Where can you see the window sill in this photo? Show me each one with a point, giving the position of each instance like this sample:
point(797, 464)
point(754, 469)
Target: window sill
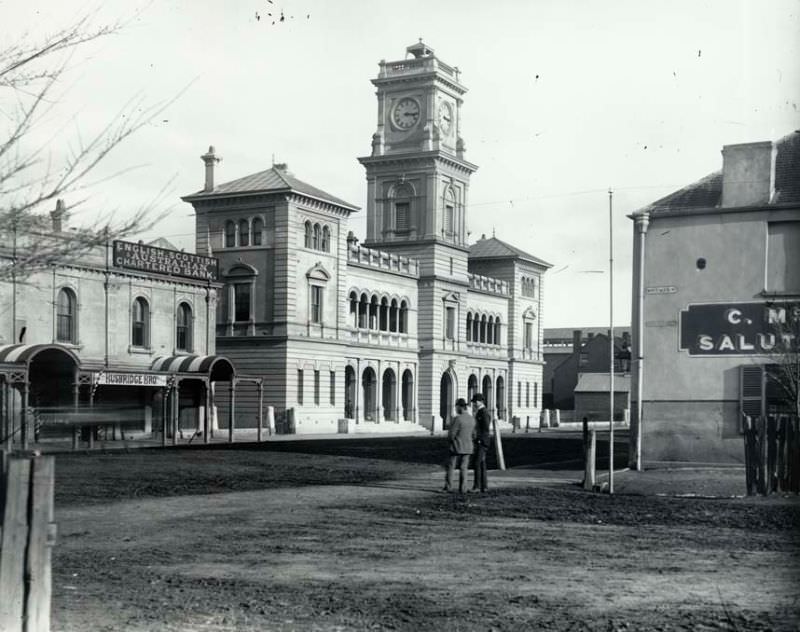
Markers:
point(74, 346)
point(140, 350)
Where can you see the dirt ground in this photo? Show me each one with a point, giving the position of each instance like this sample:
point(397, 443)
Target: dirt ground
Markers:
point(311, 540)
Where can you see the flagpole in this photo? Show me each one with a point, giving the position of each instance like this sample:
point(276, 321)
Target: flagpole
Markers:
point(610, 343)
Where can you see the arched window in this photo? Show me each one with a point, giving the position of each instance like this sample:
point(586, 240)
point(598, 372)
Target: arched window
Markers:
point(402, 196)
point(490, 330)
point(373, 312)
point(309, 232)
point(393, 315)
point(363, 313)
point(244, 232)
point(316, 238)
point(258, 231)
point(140, 328)
point(183, 328)
point(469, 326)
point(230, 234)
point(403, 324)
point(383, 324)
point(449, 220)
point(325, 246)
point(497, 331)
point(354, 308)
point(65, 316)
point(483, 329)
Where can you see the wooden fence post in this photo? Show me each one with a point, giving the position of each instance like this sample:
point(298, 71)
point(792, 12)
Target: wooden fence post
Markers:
point(14, 541)
point(40, 540)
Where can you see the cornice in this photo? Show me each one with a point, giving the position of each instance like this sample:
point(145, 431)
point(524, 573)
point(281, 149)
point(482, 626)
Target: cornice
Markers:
point(422, 157)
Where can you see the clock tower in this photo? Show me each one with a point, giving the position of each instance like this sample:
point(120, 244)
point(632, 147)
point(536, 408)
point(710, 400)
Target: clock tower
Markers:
point(417, 177)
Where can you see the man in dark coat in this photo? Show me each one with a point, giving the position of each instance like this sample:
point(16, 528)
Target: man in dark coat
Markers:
point(460, 442)
point(483, 440)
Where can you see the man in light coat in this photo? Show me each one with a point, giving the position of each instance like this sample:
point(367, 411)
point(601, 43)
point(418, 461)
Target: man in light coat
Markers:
point(460, 441)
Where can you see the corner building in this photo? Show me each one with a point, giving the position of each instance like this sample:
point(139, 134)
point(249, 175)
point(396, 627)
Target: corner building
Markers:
point(389, 333)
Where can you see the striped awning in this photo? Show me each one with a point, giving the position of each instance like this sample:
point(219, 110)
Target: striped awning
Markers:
point(189, 364)
point(23, 354)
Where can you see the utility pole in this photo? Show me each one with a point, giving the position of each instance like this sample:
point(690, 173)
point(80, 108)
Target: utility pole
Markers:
point(610, 342)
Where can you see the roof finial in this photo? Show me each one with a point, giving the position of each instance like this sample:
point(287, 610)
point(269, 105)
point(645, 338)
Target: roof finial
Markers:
point(492, 232)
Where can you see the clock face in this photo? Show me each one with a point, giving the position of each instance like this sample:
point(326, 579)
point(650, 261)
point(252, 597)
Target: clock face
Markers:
point(406, 113)
point(445, 117)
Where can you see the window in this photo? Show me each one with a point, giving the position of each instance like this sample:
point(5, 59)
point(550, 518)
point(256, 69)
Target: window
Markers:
point(241, 302)
point(528, 339)
point(65, 316)
point(300, 386)
point(527, 394)
point(258, 231)
point(403, 322)
point(325, 246)
point(183, 328)
point(140, 323)
point(469, 326)
point(401, 213)
point(535, 394)
point(244, 232)
point(333, 388)
point(230, 234)
point(317, 236)
point(448, 220)
point(529, 287)
point(450, 323)
point(519, 394)
point(308, 235)
point(783, 257)
point(316, 388)
point(316, 304)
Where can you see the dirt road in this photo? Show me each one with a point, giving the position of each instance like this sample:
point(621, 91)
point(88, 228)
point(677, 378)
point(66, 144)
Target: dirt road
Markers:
point(375, 552)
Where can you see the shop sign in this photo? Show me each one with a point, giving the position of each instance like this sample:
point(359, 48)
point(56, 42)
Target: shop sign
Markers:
point(111, 378)
point(721, 329)
point(661, 289)
point(162, 261)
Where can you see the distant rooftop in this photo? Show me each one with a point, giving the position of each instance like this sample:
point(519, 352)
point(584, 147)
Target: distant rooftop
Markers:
point(599, 383)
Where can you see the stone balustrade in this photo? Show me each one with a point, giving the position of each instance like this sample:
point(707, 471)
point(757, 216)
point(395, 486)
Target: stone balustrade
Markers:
point(488, 284)
point(382, 260)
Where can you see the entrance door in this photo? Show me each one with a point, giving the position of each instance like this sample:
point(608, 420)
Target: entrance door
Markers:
point(446, 399)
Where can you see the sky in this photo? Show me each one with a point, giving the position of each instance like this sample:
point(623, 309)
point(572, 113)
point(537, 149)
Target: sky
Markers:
point(567, 99)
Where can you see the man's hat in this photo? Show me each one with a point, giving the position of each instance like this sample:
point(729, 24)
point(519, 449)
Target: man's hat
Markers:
point(461, 402)
point(478, 397)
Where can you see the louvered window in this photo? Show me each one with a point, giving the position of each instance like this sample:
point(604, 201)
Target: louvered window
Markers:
point(751, 390)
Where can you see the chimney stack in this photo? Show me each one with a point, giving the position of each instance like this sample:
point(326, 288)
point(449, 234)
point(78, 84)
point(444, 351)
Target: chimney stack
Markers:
point(748, 174)
point(576, 340)
point(210, 159)
point(57, 216)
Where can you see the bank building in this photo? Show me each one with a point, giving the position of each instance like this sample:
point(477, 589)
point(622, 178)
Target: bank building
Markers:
point(282, 306)
point(382, 334)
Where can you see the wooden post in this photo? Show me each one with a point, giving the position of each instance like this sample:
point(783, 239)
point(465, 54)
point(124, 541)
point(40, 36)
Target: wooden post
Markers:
point(527, 423)
point(76, 394)
point(12, 545)
point(92, 427)
point(589, 475)
point(781, 448)
point(498, 446)
point(176, 411)
point(271, 420)
point(24, 414)
point(772, 455)
point(207, 413)
point(291, 421)
point(231, 411)
point(164, 420)
point(41, 538)
point(260, 408)
point(433, 425)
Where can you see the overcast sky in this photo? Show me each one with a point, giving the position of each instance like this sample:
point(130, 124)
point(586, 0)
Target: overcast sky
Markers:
point(566, 99)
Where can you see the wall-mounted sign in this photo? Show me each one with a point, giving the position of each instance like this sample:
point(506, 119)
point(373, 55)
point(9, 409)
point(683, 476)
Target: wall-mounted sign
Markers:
point(661, 289)
point(111, 378)
point(162, 261)
point(738, 328)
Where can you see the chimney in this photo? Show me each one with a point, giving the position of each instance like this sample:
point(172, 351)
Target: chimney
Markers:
point(210, 159)
point(748, 174)
point(576, 340)
point(57, 216)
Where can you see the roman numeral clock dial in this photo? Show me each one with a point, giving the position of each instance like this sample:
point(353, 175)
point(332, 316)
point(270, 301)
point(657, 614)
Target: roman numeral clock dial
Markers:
point(406, 113)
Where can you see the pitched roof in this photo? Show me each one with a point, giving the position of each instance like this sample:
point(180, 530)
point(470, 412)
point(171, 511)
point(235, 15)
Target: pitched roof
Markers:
point(494, 248)
point(273, 180)
point(599, 382)
point(707, 192)
point(565, 333)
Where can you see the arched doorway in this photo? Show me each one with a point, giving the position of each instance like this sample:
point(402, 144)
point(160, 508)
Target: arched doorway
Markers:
point(51, 376)
point(369, 385)
point(501, 398)
point(446, 399)
point(408, 395)
point(349, 392)
point(487, 391)
point(389, 394)
point(472, 387)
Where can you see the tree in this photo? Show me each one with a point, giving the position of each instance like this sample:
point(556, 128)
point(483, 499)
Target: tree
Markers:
point(33, 176)
point(783, 373)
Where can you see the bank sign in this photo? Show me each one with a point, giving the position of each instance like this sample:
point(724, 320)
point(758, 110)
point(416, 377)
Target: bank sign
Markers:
point(720, 329)
point(162, 261)
point(110, 378)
